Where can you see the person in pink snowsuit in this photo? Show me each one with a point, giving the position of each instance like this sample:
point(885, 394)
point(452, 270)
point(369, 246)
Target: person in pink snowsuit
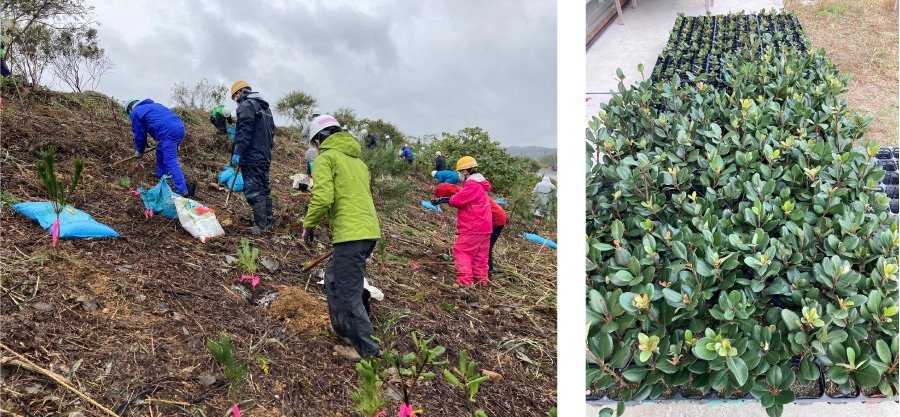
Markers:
point(473, 224)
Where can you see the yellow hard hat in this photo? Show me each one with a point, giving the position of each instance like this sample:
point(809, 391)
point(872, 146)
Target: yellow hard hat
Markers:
point(466, 162)
point(238, 85)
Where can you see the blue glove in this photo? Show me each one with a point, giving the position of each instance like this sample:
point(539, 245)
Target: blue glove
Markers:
point(235, 159)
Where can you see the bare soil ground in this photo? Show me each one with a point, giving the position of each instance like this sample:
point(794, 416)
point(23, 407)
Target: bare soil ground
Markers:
point(861, 37)
point(126, 320)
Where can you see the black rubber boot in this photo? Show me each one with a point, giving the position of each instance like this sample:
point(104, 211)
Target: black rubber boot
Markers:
point(260, 220)
point(269, 215)
point(192, 190)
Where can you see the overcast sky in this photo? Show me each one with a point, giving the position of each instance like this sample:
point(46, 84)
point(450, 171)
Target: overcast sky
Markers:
point(426, 66)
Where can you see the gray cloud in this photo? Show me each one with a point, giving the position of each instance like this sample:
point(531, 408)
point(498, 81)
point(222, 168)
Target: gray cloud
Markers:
point(428, 67)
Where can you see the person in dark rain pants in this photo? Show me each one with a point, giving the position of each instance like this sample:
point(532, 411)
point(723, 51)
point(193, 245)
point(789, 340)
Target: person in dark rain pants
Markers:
point(254, 136)
point(342, 194)
point(166, 128)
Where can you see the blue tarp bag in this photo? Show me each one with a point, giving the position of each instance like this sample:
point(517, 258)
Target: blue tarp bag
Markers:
point(159, 198)
point(73, 223)
point(230, 131)
point(501, 201)
point(432, 207)
point(225, 178)
point(539, 240)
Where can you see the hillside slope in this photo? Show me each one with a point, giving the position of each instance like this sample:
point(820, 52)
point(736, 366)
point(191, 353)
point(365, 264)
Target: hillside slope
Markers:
point(126, 320)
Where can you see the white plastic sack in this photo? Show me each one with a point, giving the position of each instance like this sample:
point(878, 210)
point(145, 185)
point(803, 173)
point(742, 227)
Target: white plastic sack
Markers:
point(301, 179)
point(199, 220)
point(374, 292)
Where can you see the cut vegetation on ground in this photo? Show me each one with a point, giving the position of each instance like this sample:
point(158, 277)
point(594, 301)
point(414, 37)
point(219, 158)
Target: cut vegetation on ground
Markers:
point(133, 322)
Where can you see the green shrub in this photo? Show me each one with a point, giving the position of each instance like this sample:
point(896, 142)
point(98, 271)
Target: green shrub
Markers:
point(732, 231)
point(506, 173)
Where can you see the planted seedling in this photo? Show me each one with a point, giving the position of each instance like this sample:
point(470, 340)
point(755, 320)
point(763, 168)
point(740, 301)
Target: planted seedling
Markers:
point(56, 190)
point(413, 367)
point(367, 398)
point(223, 351)
point(466, 377)
point(247, 257)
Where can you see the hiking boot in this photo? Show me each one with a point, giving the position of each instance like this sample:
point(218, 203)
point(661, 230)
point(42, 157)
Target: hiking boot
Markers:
point(342, 339)
point(269, 214)
point(347, 352)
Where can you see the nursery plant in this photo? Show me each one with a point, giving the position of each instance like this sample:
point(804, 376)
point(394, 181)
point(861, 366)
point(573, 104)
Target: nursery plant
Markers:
point(406, 370)
point(699, 45)
point(57, 191)
point(736, 239)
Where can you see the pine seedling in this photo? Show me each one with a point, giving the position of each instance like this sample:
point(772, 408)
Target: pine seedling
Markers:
point(367, 398)
point(247, 256)
point(57, 192)
point(223, 351)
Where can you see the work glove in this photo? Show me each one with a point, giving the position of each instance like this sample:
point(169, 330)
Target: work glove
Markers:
point(308, 234)
point(443, 200)
point(138, 154)
point(235, 160)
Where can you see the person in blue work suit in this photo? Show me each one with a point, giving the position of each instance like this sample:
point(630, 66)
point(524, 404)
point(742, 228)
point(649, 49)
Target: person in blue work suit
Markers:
point(162, 124)
point(445, 177)
point(254, 135)
point(407, 154)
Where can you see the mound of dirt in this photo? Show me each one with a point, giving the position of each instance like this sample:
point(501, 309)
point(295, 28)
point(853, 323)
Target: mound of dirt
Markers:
point(300, 310)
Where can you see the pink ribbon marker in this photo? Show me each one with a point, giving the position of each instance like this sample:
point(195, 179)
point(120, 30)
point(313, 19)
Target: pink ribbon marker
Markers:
point(254, 279)
point(54, 232)
point(235, 411)
point(381, 413)
point(414, 265)
point(406, 411)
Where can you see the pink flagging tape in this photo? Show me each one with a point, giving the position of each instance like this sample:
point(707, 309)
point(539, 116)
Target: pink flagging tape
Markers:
point(54, 231)
point(406, 411)
point(235, 411)
point(414, 265)
point(381, 413)
point(254, 279)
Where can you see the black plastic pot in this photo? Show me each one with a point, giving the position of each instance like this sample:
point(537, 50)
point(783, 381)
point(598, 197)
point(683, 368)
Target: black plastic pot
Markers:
point(884, 153)
point(895, 206)
point(891, 191)
point(890, 178)
point(889, 165)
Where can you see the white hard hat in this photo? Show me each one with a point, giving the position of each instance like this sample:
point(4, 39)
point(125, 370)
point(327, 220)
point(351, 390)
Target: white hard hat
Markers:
point(433, 173)
point(387, 136)
point(438, 153)
point(315, 111)
point(321, 122)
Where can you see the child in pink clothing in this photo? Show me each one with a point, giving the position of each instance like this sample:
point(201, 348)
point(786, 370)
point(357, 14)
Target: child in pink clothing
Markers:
point(473, 226)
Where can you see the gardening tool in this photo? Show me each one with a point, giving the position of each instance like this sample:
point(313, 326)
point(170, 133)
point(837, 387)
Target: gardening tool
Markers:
point(231, 188)
point(131, 157)
point(318, 261)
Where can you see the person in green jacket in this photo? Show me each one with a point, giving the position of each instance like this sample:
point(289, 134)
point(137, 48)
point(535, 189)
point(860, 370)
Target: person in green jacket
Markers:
point(342, 194)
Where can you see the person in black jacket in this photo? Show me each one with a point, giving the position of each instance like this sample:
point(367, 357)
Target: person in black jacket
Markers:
point(440, 163)
point(253, 140)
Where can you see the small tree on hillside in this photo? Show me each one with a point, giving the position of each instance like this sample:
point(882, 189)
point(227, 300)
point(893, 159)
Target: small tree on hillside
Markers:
point(379, 128)
point(78, 60)
point(34, 24)
point(204, 95)
point(297, 105)
point(506, 173)
point(347, 118)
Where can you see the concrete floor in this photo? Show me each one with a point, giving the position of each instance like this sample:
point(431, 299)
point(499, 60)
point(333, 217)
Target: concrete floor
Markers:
point(642, 38)
point(876, 409)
